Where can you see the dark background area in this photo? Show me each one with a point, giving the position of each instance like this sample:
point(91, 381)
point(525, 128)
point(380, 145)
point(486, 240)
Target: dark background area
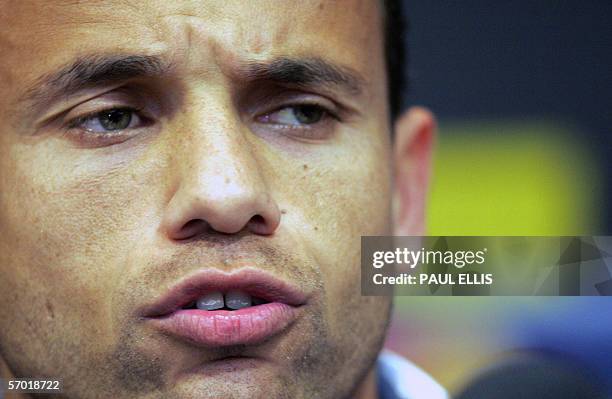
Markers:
point(517, 60)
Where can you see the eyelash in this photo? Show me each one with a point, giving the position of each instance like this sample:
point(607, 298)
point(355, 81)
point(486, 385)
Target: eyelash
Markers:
point(75, 129)
point(315, 130)
point(76, 122)
point(326, 113)
point(320, 129)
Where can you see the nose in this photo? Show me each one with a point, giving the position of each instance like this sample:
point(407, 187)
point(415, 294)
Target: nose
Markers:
point(219, 188)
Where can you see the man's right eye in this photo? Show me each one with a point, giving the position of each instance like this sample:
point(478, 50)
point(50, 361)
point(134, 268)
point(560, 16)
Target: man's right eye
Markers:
point(111, 121)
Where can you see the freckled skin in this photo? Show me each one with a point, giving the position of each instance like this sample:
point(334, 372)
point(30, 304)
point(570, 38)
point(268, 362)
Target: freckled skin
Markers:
point(87, 235)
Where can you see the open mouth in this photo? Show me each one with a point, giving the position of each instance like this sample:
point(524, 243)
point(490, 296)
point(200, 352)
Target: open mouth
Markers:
point(230, 300)
point(213, 308)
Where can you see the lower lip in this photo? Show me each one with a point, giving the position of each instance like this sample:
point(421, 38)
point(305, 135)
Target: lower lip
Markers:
point(229, 327)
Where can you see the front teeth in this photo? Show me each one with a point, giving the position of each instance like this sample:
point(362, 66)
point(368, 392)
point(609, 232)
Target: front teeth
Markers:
point(236, 299)
point(210, 301)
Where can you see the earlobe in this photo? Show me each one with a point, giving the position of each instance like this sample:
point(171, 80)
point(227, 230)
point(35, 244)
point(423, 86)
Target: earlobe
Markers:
point(413, 145)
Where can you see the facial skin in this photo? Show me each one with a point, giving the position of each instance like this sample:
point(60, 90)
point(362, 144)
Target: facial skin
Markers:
point(223, 165)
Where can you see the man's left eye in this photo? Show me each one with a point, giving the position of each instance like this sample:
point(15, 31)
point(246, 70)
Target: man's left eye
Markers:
point(297, 115)
point(108, 121)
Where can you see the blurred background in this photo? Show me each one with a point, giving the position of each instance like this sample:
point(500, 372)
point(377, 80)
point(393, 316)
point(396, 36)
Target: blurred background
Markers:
point(523, 95)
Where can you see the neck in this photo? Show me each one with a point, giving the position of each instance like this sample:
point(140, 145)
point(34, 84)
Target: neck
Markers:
point(367, 388)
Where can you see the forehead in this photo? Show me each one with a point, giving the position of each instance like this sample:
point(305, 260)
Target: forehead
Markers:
point(36, 36)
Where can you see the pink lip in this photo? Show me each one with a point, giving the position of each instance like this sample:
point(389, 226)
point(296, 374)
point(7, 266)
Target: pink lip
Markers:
point(223, 327)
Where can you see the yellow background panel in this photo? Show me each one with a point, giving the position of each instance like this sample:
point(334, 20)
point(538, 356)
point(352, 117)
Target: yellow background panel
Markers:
point(513, 178)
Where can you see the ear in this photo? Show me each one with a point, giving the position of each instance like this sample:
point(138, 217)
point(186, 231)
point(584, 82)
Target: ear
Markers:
point(413, 144)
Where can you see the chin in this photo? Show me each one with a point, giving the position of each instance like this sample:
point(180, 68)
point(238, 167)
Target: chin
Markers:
point(234, 378)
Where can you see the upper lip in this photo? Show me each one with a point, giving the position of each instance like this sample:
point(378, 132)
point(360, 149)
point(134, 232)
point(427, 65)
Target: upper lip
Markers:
point(254, 282)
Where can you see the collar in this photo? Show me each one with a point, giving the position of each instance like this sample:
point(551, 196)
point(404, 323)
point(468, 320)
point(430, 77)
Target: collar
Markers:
point(400, 379)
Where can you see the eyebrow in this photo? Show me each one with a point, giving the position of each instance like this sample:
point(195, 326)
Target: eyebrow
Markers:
point(92, 71)
point(306, 72)
point(97, 70)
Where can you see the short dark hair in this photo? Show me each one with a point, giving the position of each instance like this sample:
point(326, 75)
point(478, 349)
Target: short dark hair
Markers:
point(395, 28)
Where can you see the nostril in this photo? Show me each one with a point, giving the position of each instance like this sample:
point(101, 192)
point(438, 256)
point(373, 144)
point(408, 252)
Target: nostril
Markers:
point(192, 228)
point(189, 215)
point(258, 220)
point(258, 225)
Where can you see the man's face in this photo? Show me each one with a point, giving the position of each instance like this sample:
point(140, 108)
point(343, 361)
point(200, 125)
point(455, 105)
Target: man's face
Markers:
point(145, 144)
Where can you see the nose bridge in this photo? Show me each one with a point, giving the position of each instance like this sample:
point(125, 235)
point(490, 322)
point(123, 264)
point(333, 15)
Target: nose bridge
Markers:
point(219, 157)
point(220, 184)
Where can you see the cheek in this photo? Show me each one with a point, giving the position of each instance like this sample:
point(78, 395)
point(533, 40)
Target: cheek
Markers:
point(62, 236)
point(335, 203)
point(77, 206)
